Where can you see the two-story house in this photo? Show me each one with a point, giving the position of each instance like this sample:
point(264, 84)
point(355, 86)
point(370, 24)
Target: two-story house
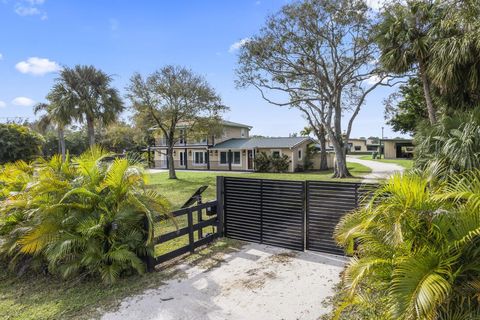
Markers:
point(233, 150)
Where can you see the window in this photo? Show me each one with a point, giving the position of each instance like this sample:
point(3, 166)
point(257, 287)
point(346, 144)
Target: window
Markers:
point(223, 157)
point(182, 158)
point(242, 133)
point(300, 154)
point(358, 148)
point(236, 157)
point(199, 157)
point(181, 140)
point(276, 153)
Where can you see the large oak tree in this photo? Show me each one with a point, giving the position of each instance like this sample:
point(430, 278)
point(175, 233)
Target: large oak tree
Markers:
point(174, 96)
point(317, 56)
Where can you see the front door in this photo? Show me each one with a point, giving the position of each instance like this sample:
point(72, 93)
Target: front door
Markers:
point(250, 159)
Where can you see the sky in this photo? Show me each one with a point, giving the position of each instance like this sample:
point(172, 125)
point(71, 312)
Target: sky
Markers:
point(38, 37)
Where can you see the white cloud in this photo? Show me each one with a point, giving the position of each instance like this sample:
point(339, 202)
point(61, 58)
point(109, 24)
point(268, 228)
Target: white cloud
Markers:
point(37, 66)
point(27, 11)
point(237, 45)
point(2, 104)
point(1, 56)
point(23, 102)
point(373, 79)
point(30, 8)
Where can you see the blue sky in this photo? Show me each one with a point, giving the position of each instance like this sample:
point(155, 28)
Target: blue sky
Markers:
point(122, 37)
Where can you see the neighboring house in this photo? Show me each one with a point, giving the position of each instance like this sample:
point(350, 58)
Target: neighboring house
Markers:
point(233, 150)
point(397, 148)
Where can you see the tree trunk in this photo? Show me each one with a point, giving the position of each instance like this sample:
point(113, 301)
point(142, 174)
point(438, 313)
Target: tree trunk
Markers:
point(61, 142)
point(323, 148)
point(428, 97)
point(171, 165)
point(340, 168)
point(91, 131)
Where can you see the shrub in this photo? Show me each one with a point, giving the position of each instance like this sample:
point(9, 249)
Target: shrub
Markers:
point(84, 216)
point(418, 243)
point(280, 164)
point(262, 162)
point(19, 142)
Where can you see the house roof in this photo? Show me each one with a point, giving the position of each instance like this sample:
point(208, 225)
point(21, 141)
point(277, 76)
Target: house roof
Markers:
point(235, 124)
point(272, 143)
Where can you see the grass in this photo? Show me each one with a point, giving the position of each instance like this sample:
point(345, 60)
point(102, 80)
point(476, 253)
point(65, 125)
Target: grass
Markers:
point(44, 297)
point(178, 191)
point(406, 163)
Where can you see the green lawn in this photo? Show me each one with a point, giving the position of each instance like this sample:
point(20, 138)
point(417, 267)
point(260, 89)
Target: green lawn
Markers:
point(178, 191)
point(406, 163)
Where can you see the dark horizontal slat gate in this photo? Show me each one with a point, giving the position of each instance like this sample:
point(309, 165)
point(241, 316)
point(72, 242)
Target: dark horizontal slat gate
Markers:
point(265, 211)
point(327, 202)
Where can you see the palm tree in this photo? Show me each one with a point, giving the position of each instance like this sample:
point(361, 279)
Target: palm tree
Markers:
point(88, 91)
point(83, 216)
point(59, 116)
point(417, 244)
point(405, 42)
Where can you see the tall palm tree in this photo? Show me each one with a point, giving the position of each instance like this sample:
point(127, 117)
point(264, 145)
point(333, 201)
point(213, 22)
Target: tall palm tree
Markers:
point(88, 91)
point(59, 116)
point(405, 42)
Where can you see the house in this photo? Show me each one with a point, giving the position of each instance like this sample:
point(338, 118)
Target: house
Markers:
point(233, 150)
point(397, 148)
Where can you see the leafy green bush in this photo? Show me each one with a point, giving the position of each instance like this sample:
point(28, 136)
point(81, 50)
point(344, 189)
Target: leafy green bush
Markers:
point(84, 216)
point(18, 143)
point(452, 145)
point(262, 162)
point(280, 164)
point(418, 244)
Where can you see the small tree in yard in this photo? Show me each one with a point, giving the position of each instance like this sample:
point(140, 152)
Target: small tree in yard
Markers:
point(317, 54)
point(173, 96)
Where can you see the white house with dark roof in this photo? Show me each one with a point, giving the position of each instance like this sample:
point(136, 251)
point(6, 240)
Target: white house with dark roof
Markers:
point(232, 150)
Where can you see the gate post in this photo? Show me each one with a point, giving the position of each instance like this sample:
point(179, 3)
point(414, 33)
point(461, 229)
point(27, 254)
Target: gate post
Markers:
point(220, 211)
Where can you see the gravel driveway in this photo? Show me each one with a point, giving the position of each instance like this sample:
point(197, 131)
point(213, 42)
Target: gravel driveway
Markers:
point(254, 282)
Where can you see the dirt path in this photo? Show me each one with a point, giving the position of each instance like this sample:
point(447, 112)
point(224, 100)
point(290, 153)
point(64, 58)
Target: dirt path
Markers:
point(380, 170)
point(255, 282)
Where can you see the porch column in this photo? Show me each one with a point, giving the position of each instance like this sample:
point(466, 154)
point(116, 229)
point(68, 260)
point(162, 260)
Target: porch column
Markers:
point(185, 154)
point(208, 159)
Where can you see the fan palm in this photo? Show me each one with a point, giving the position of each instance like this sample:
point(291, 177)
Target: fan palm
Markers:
point(405, 42)
point(82, 216)
point(418, 244)
point(58, 115)
point(88, 91)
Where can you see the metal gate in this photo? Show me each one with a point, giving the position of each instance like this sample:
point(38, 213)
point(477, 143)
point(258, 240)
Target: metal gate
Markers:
point(327, 202)
point(297, 215)
point(265, 211)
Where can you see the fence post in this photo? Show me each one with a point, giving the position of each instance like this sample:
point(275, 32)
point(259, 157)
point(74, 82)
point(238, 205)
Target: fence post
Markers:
point(149, 260)
point(191, 239)
point(199, 217)
point(220, 210)
point(261, 211)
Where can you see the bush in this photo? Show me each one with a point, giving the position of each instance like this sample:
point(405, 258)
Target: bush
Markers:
point(84, 216)
point(19, 143)
point(418, 242)
point(280, 164)
point(262, 162)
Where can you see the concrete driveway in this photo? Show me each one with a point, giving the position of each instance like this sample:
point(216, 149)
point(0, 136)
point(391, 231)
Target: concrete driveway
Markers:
point(380, 170)
point(254, 282)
